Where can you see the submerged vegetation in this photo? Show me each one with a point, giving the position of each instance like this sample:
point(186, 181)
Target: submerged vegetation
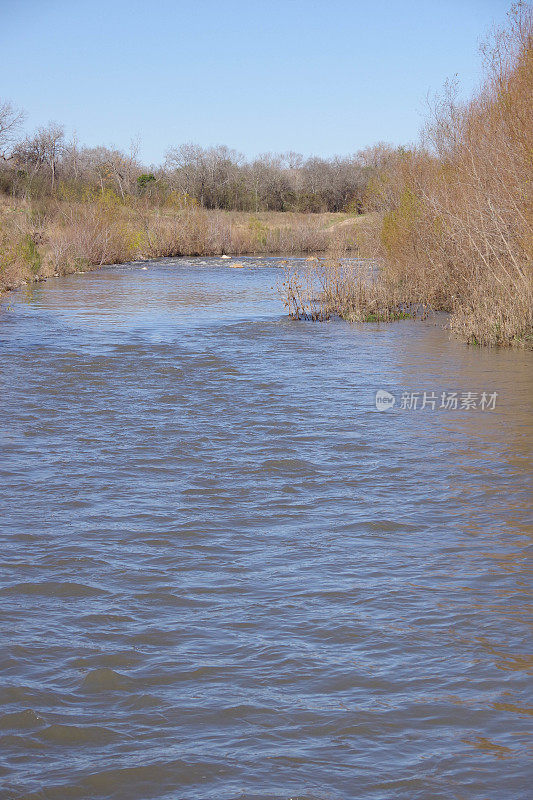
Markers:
point(447, 223)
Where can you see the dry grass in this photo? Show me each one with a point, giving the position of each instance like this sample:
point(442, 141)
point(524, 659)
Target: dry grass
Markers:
point(353, 289)
point(57, 237)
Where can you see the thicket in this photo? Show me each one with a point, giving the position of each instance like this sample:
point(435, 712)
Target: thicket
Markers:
point(454, 230)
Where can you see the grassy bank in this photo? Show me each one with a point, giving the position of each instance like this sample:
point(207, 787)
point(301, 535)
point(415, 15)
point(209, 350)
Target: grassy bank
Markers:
point(57, 237)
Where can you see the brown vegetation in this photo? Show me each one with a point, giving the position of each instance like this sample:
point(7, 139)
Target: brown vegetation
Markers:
point(455, 227)
point(355, 289)
point(40, 239)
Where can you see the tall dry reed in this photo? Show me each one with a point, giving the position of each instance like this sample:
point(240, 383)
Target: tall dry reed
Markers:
point(455, 223)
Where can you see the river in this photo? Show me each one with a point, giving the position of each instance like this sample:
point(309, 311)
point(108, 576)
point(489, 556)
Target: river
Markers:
point(226, 574)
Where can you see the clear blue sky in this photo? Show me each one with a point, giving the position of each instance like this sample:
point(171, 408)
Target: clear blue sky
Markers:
point(315, 77)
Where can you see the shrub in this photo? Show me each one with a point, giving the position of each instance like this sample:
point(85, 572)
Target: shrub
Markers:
point(455, 218)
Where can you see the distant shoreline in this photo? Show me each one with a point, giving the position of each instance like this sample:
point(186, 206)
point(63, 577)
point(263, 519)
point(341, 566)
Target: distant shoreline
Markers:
point(80, 237)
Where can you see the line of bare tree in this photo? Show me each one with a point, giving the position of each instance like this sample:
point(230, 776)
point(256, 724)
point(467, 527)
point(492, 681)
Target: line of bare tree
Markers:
point(45, 163)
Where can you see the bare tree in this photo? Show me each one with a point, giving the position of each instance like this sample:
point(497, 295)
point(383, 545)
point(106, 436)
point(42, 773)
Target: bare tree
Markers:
point(11, 119)
point(42, 151)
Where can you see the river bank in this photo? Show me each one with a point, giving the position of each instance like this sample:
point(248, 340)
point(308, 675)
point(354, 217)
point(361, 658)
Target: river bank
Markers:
point(39, 240)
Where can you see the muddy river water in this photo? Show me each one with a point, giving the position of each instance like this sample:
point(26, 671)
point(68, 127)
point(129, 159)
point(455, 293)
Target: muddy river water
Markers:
point(225, 574)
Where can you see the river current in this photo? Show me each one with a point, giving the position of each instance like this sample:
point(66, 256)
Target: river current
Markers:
point(226, 575)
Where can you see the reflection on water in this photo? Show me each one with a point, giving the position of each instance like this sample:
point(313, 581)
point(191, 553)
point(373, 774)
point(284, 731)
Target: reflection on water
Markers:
point(225, 574)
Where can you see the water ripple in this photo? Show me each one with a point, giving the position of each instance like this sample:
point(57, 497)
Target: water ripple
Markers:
point(226, 575)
